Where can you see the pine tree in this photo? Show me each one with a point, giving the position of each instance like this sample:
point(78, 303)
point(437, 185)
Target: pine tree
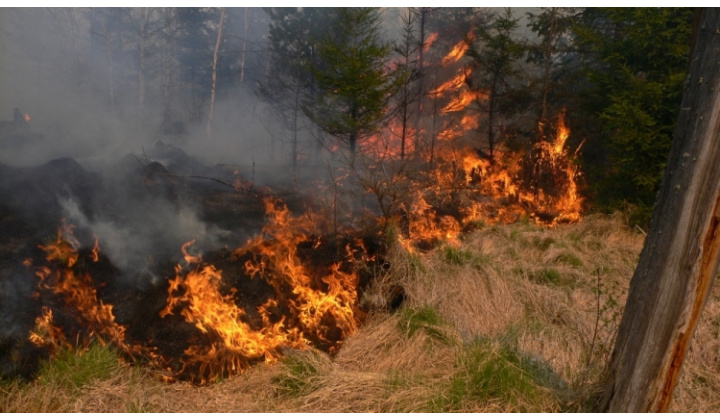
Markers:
point(494, 68)
point(636, 61)
point(353, 84)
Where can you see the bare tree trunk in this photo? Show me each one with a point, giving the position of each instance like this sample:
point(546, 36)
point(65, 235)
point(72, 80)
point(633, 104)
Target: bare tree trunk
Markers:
point(547, 50)
point(168, 66)
point(680, 258)
point(244, 47)
point(423, 12)
point(296, 109)
point(208, 128)
point(142, 67)
point(111, 81)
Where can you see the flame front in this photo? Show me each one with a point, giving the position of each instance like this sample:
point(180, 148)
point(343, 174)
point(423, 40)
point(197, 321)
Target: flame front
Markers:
point(78, 291)
point(309, 307)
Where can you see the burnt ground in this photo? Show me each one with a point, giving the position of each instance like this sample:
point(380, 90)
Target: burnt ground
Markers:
point(144, 208)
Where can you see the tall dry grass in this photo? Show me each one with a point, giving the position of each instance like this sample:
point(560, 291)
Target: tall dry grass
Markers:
point(517, 318)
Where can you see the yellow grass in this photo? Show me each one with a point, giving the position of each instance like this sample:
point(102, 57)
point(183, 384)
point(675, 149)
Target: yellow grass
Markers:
point(521, 298)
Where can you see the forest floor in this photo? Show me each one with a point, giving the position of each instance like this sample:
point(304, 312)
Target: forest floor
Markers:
point(516, 318)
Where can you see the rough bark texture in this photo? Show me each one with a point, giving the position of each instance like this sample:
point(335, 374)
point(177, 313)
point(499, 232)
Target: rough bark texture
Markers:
point(680, 258)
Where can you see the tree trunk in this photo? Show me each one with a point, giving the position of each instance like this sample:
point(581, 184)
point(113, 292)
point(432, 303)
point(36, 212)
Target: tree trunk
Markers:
point(244, 47)
point(296, 109)
point(548, 45)
point(680, 258)
point(143, 33)
point(423, 13)
point(111, 64)
point(208, 128)
point(168, 66)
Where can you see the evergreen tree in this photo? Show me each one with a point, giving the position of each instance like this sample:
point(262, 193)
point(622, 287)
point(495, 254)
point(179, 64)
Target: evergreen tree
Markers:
point(495, 57)
point(548, 52)
point(407, 48)
point(353, 84)
point(635, 60)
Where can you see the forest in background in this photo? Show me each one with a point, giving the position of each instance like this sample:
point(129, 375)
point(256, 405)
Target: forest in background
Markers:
point(278, 85)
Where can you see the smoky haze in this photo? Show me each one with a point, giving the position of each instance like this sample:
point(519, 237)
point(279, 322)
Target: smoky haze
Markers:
point(77, 73)
point(101, 136)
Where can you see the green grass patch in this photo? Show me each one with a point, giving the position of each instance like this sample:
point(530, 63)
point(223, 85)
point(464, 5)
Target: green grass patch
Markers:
point(72, 368)
point(426, 319)
point(462, 257)
point(487, 375)
point(300, 374)
point(569, 259)
point(549, 276)
point(415, 264)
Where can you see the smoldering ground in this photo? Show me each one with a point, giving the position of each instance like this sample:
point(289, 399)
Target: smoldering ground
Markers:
point(109, 168)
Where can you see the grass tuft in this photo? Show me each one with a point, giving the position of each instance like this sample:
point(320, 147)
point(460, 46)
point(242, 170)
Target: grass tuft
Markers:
point(72, 369)
point(486, 375)
point(299, 375)
point(425, 318)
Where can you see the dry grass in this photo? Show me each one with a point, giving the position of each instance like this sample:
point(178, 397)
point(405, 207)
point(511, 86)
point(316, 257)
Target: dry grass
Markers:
point(510, 321)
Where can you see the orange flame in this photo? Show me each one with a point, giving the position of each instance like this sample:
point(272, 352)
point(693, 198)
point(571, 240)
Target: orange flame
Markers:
point(77, 290)
point(429, 41)
point(458, 50)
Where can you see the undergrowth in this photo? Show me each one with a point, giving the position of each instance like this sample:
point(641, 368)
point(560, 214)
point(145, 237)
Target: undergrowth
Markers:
point(516, 319)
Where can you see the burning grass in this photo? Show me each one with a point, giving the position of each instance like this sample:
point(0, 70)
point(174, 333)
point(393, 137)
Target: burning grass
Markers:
point(512, 318)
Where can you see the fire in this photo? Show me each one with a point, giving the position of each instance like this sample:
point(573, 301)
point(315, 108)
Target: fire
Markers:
point(311, 306)
point(456, 186)
point(453, 84)
point(320, 310)
point(95, 253)
point(430, 41)
point(45, 333)
point(77, 290)
point(26, 117)
point(459, 49)
point(465, 98)
point(202, 304)
point(312, 302)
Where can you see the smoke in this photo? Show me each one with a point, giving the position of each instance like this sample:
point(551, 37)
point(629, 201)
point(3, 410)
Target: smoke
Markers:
point(78, 77)
point(77, 73)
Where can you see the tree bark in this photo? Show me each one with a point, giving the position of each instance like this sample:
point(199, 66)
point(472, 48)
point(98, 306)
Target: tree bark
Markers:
point(680, 258)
